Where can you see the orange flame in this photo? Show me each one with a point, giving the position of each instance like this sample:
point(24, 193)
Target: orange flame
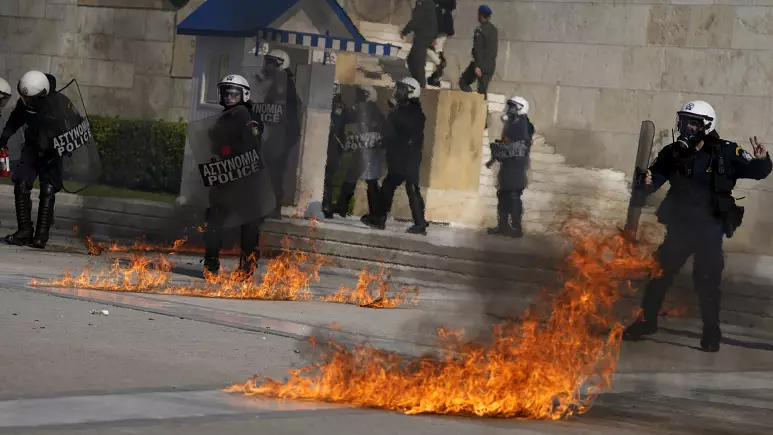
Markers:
point(365, 296)
point(534, 369)
point(179, 246)
point(288, 277)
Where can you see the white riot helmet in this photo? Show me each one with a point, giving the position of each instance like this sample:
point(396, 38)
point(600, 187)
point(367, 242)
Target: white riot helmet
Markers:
point(280, 57)
point(696, 119)
point(5, 93)
point(233, 89)
point(368, 92)
point(516, 106)
point(408, 87)
point(33, 86)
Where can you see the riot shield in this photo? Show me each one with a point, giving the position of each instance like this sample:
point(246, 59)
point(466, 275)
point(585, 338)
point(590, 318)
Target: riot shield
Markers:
point(231, 180)
point(643, 157)
point(363, 128)
point(271, 103)
point(65, 134)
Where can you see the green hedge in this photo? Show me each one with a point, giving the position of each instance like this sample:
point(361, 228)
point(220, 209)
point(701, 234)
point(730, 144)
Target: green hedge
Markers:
point(140, 155)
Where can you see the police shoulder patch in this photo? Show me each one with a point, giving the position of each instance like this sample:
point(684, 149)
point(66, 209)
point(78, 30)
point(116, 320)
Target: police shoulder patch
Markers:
point(747, 156)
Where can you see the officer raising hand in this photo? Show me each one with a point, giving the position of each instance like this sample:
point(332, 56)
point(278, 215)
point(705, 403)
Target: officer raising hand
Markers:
point(698, 211)
point(759, 149)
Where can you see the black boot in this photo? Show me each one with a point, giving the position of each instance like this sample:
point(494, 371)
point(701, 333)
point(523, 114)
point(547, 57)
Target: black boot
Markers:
point(374, 200)
point(712, 335)
point(248, 263)
point(503, 214)
point(640, 328)
point(23, 202)
point(45, 215)
point(416, 203)
point(212, 262)
point(516, 215)
point(344, 198)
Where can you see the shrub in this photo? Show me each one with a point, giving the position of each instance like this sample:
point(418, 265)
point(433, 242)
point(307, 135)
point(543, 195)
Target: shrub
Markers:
point(140, 155)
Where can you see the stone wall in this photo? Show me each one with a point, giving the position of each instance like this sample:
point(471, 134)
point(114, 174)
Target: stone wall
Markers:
point(594, 70)
point(125, 54)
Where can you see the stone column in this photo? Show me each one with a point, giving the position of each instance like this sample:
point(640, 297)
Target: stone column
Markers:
point(314, 142)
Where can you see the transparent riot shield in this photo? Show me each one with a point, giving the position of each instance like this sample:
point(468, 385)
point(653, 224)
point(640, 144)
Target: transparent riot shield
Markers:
point(363, 135)
point(276, 106)
point(231, 180)
point(65, 134)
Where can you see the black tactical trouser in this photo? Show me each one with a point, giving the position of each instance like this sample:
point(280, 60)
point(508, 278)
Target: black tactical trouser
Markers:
point(509, 209)
point(32, 165)
point(213, 241)
point(469, 77)
point(415, 201)
point(331, 166)
point(681, 242)
point(417, 63)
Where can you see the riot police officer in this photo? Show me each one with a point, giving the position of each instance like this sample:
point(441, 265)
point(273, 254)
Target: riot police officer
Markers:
point(335, 139)
point(698, 211)
point(512, 151)
point(5, 93)
point(403, 143)
point(37, 93)
point(234, 91)
point(363, 137)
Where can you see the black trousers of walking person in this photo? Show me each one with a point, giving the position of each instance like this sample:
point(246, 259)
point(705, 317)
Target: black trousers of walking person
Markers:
point(415, 201)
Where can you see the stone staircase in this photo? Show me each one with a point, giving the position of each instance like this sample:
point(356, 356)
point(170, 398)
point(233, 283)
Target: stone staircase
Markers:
point(554, 187)
point(384, 71)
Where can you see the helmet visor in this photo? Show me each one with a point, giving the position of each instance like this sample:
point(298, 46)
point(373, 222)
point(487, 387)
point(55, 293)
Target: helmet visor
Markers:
point(403, 91)
point(691, 125)
point(514, 108)
point(4, 99)
point(230, 95)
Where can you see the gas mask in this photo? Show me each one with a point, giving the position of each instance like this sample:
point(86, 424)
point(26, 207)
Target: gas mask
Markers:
point(512, 112)
point(692, 130)
point(271, 67)
point(402, 93)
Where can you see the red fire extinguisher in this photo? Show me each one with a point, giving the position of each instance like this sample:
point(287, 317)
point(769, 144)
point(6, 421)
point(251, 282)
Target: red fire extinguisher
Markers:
point(5, 164)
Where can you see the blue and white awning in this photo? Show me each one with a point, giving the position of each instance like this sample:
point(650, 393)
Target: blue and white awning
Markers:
point(324, 42)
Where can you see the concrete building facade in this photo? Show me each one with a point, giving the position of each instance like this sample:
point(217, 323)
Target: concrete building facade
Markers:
point(591, 70)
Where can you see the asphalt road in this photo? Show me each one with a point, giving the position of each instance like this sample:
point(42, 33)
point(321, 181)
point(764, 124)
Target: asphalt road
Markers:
point(160, 370)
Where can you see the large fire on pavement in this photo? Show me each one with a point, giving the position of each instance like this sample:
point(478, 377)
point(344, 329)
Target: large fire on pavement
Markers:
point(288, 277)
point(531, 370)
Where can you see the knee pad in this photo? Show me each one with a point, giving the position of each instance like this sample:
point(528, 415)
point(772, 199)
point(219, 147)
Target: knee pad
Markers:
point(22, 188)
point(47, 190)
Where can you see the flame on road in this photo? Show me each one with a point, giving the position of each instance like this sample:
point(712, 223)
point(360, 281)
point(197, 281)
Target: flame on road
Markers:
point(288, 277)
point(531, 370)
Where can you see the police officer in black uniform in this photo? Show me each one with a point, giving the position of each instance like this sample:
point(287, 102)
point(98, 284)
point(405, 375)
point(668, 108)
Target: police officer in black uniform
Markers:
point(335, 138)
point(39, 108)
point(424, 26)
point(698, 211)
point(403, 143)
point(513, 154)
point(234, 91)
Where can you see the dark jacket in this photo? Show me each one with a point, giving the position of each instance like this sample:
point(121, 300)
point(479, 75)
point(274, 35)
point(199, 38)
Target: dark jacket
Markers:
point(335, 136)
point(405, 140)
point(485, 47)
point(20, 116)
point(691, 198)
point(513, 153)
point(445, 17)
point(423, 24)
